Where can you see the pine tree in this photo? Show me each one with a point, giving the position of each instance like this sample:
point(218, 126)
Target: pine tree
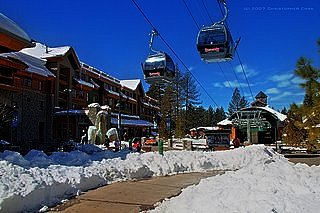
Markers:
point(220, 115)
point(191, 96)
point(294, 132)
point(284, 111)
point(243, 102)
point(307, 72)
point(190, 91)
point(234, 104)
point(210, 117)
point(303, 122)
point(177, 104)
point(165, 110)
point(156, 91)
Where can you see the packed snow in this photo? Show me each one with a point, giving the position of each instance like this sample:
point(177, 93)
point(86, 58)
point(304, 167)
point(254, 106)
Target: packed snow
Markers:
point(257, 179)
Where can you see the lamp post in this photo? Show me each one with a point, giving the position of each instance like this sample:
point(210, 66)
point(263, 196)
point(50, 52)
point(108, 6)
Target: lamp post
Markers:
point(68, 91)
point(119, 107)
point(119, 118)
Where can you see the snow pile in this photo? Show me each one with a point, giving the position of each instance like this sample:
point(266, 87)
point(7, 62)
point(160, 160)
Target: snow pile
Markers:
point(272, 185)
point(28, 183)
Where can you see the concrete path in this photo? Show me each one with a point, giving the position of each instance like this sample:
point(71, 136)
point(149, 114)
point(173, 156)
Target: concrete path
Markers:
point(132, 196)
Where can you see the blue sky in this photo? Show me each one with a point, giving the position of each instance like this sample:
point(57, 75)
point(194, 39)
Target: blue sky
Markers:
point(113, 36)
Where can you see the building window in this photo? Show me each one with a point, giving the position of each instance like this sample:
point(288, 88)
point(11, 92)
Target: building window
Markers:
point(81, 94)
point(41, 107)
point(74, 93)
point(94, 99)
point(106, 86)
point(27, 82)
point(40, 86)
point(76, 75)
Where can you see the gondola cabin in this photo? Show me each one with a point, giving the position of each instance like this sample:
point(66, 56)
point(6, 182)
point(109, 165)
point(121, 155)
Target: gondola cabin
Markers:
point(215, 43)
point(158, 67)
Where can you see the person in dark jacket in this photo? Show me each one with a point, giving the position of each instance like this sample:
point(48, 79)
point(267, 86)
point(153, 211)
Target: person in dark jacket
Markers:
point(236, 143)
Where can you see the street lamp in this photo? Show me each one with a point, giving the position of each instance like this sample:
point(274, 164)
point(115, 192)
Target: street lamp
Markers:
point(119, 106)
point(67, 91)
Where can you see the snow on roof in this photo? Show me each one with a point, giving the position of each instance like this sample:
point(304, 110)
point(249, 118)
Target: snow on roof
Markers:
point(3, 142)
point(131, 84)
point(94, 83)
point(43, 51)
point(99, 72)
point(225, 122)
point(208, 128)
point(35, 65)
point(84, 83)
point(8, 26)
point(277, 114)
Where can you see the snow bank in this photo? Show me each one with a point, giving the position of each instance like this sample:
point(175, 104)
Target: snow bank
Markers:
point(28, 183)
point(272, 185)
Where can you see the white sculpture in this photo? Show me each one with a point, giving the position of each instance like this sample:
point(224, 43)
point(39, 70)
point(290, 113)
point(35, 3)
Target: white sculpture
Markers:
point(98, 116)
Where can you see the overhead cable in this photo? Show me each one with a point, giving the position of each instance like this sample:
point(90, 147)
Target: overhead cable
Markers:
point(164, 41)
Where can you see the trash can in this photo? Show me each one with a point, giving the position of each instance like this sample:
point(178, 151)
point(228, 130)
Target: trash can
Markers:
point(160, 147)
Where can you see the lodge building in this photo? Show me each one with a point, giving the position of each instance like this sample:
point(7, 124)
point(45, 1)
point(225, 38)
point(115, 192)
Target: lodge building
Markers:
point(258, 124)
point(44, 92)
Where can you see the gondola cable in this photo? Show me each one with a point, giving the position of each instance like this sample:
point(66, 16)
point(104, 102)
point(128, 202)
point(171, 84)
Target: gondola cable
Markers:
point(147, 19)
point(214, 42)
point(207, 12)
point(242, 67)
point(237, 79)
point(194, 20)
point(245, 75)
point(159, 66)
point(224, 75)
point(218, 63)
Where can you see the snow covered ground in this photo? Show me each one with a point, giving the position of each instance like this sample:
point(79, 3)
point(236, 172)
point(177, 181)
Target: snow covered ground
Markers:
point(260, 180)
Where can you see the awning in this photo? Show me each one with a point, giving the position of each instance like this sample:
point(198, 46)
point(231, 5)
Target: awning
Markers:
point(70, 112)
point(114, 120)
point(132, 122)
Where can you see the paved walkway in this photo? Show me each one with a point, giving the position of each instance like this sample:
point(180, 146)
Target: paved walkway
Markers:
point(132, 196)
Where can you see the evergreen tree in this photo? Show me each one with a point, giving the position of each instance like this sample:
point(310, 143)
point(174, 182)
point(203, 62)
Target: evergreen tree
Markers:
point(303, 122)
point(199, 117)
point(243, 102)
point(165, 110)
point(190, 91)
point(190, 95)
point(294, 132)
point(177, 104)
point(210, 117)
point(234, 104)
point(156, 90)
point(220, 115)
point(284, 111)
point(310, 74)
